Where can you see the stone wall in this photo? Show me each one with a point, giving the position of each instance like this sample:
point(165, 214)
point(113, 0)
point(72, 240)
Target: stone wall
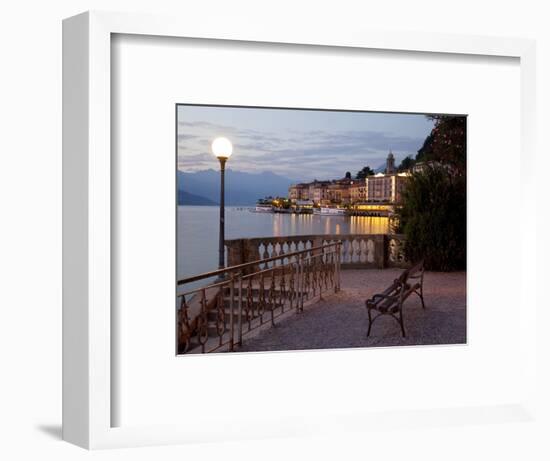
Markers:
point(374, 251)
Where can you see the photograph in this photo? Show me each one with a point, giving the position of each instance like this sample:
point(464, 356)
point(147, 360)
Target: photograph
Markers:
point(308, 229)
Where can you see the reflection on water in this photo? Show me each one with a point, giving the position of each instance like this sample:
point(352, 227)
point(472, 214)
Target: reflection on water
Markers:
point(368, 225)
point(198, 231)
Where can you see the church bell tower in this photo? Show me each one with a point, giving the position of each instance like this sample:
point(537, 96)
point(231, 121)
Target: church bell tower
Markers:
point(390, 164)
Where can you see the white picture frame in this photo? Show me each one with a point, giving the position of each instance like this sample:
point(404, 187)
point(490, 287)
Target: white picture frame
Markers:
point(87, 359)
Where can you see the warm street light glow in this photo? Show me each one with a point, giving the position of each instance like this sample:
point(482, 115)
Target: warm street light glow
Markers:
point(222, 148)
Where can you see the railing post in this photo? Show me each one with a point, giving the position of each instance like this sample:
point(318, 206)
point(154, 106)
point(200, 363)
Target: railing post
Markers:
point(240, 318)
point(337, 268)
point(298, 281)
point(272, 295)
point(300, 301)
point(231, 309)
point(203, 329)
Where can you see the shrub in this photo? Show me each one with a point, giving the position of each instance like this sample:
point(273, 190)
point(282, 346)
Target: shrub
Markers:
point(432, 216)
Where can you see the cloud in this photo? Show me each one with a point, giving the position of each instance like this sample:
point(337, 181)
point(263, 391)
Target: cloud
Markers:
point(296, 154)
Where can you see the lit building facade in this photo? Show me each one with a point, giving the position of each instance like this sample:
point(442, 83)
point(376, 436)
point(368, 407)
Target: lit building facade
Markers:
point(358, 191)
point(384, 187)
point(298, 192)
point(318, 192)
point(338, 192)
point(388, 186)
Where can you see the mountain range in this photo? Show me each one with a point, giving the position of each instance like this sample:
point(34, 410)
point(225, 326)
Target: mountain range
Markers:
point(187, 198)
point(241, 189)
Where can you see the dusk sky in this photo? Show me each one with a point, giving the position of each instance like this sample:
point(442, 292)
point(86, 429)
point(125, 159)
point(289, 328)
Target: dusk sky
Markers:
point(299, 144)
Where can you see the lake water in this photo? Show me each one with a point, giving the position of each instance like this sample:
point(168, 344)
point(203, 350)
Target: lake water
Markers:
point(198, 231)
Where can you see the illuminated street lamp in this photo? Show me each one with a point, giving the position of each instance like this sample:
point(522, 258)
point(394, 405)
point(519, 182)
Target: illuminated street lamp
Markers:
point(222, 149)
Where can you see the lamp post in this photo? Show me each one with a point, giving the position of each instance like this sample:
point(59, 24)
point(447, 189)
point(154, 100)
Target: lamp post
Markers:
point(222, 149)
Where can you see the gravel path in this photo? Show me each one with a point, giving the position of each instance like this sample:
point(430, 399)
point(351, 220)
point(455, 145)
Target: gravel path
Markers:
point(340, 320)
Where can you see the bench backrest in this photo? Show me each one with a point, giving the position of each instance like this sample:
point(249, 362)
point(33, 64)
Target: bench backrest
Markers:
point(414, 272)
point(400, 289)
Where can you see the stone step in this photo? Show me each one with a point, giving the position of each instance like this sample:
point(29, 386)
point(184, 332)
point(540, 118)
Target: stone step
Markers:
point(212, 314)
point(277, 299)
point(213, 337)
point(256, 294)
point(255, 290)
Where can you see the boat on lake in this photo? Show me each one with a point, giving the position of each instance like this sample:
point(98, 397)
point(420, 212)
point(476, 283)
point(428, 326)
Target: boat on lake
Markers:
point(262, 208)
point(281, 210)
point(303, 210)
point(329, 211)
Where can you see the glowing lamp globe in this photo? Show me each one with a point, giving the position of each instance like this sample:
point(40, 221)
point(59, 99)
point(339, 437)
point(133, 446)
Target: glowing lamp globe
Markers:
point(222, 148)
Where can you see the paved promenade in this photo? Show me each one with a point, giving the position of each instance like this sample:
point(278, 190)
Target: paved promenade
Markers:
point(340, 320)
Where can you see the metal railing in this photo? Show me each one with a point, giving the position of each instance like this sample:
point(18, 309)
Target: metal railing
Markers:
point(245, 297)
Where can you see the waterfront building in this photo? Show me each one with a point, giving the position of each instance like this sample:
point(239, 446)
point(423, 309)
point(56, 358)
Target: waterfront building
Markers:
point(318, 192)
point(379, 188)
point(298, 192)
point(399, 184)
point(386, 187)
point(358, 191)
point(338, 192)
point(382, 187)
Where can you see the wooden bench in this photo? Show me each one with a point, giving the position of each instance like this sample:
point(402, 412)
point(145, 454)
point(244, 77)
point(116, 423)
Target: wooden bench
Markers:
point(390, 301)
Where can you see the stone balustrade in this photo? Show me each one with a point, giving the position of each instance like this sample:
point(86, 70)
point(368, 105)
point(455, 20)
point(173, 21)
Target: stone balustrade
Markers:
point(374, 251)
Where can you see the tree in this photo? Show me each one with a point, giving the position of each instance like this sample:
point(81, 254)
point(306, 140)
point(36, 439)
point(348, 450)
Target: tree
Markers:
point(348, 175)
point(406, 164)
point(446, 143)
point(366, 171)
point(432, 215)
point(424, 154)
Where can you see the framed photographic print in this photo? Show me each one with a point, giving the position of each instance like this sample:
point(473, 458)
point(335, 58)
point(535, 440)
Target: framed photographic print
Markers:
point(301, 241)
point(278, 216)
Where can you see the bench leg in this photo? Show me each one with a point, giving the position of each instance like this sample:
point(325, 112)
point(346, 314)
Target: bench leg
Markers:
point(370, 323)
point(401, 324)
point(422, 296)
point(422, 290)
